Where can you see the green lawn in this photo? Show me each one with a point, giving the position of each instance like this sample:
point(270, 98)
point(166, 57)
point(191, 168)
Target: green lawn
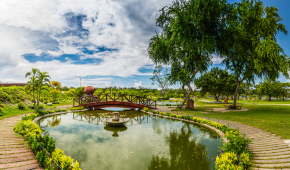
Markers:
point(269, 117)
point(13, 110)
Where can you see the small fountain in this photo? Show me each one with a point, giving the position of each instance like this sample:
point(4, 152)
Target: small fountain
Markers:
point(115, 120)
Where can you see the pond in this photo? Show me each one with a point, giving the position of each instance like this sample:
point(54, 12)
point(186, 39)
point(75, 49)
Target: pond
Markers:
point(145, 142)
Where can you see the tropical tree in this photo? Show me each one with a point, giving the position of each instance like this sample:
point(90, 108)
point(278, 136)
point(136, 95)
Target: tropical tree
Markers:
point(216, 82)
point(246, 88)
point(54, 94)
point(64, 88)
point(41, 82)
point(56, 87)
point(270, 88)
point(250, 47)
point(285, 90)
point(190, 35)
point(160, 79)
point(32, 82)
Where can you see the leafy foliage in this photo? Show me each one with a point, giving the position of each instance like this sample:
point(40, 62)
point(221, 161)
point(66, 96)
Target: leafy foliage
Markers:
point(21, 106)
point(32, 134)
point(13, 94)
point(189, 36)
point(162, 80)
point(250, 47)
point(216, 82)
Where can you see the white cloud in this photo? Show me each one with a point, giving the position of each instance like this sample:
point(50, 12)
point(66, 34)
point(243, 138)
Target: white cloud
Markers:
point(43, 27)
point(216, 59)
point(138, 84)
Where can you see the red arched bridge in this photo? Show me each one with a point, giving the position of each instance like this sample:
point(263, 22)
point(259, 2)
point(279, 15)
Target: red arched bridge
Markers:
point(116, 100)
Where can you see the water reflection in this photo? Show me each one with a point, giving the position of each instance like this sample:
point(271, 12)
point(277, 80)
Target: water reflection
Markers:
point(115, 130)
point(185, 153)
point(146, 142)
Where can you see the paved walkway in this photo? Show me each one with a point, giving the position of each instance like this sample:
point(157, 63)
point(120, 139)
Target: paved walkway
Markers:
point(14, 151)
point(270, 152)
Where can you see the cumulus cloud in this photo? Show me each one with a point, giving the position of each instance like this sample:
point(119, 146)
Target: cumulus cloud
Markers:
point(216, 59)
point(138, 84)
point(116, 31)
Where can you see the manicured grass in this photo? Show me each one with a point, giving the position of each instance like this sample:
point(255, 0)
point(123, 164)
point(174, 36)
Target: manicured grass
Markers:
point(272, 118)
point(67, 102)
point(10, 111)
point(13, 110)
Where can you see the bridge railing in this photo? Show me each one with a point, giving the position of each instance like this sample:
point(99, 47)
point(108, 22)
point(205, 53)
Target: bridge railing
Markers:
point(82, 101)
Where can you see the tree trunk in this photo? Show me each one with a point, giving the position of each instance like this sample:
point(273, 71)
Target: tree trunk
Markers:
point(246, 97)
point(236, 93)
point(38, 98)
point(187, 95)
point(33, 96)
point(283, 97)
point(217, 97)
point(269, 98)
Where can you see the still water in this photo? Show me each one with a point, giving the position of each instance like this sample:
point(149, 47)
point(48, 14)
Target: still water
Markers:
point(145, 142)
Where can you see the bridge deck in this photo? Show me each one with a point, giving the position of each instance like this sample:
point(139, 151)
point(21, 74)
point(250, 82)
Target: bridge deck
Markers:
point(121, 100)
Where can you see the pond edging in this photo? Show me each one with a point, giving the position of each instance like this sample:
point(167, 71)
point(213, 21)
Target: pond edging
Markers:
point(219, 132)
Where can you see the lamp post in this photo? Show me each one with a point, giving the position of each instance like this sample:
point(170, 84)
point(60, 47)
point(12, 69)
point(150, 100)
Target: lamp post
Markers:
point(111, 88)
point(80, 77)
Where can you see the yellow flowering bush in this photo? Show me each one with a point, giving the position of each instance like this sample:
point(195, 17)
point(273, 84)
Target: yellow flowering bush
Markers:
point(230, 161)
point(64, 161)
point(30, 127)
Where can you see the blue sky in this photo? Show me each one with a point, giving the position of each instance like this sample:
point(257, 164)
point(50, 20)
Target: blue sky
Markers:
point(105, 40)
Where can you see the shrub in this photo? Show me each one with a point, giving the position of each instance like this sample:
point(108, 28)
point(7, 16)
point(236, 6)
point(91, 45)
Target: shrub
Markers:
point(77, 108)
point(25, 126)
point(64, 161)
point(17, 101)
point(1, 111)
point(77, 166)
point(146, 109)
point(237, 143)
point(30, 116)
point(230, 161)
point(21, 106)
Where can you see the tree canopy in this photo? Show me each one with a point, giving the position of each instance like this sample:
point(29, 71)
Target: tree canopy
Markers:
point(190, 34)
point(160, 79)
point(216, 82)
point(250, 47)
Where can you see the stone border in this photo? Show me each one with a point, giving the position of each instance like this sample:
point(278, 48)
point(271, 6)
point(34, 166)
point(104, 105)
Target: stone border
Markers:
point(219, 132)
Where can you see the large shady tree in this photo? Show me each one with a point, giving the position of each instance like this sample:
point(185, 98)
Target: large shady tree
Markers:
point(216, 82)
point(189, 36)
point(250, 47)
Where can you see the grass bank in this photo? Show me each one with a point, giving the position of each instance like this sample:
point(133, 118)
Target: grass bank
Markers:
point(9, 110)
point(269, 117)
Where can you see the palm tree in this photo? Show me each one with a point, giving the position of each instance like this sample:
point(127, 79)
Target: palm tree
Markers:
point(32, 81)
point(42, 81)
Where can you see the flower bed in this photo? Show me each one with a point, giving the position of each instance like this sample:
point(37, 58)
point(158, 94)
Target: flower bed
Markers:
point(234, 155)
point(47, 155)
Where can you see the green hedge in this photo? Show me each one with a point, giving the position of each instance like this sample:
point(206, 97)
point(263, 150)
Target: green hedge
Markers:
point(32, 134)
